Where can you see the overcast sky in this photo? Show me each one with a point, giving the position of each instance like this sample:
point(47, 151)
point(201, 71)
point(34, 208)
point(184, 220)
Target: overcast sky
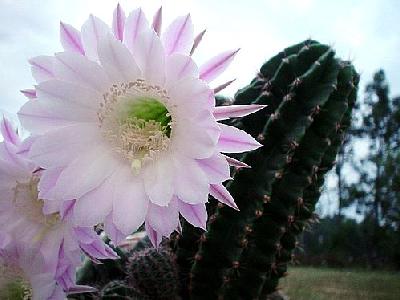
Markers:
point(365, 31)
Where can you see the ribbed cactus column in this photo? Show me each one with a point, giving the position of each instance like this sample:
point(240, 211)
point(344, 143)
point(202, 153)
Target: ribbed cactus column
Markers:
point(301, 82)
point(274, 233)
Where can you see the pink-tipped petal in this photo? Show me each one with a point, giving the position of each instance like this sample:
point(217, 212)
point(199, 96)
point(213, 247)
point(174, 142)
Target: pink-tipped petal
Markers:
point(93, 31)
point(42, 68)
point(9, 133)
point(195, 214)
point(163, 219)
point(115, 234)
point(118, 24)
point(71, 38)
point(216, 65)
point(178, 37)
point(219, 192)
point(197, 41)
point(235, 111)
point(236, 163)
point(134, 25)
point(216, 168)
point(179, 66)
point(29, 93)
point(233, 140)
point(154, 236)
point(157, 21)
point(223, 86)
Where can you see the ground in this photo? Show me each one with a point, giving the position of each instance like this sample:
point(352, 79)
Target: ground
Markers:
point(330, 284)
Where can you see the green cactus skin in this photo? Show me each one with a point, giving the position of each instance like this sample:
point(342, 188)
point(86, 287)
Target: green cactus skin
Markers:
point(302, 82)
point(271, 237)
point(153, 273)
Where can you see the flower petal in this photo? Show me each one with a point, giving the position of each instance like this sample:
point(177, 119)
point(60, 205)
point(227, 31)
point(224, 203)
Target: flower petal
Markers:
point(42, 68)
point(149, 55)
point(157, 21)
point(219, 192)
point(216, 65)
point(178, 37)
point(197, 41)
point(179, 66)
point(155, 238)
point(135, 24)
point(71, 38)
point(130, 203)
point(235, 111)
point(216, 168)
point(118, 24)
point(93, 31)
point(117, 60)
point(233, 140)
point(109, 227)
point(163, 219)
point(195, 214)
point(9, 133)
point(29, 93)
point(72, 67)
point(236, 163)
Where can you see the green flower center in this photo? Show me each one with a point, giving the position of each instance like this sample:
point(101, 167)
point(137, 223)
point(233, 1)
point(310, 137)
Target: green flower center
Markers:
point(135, 120)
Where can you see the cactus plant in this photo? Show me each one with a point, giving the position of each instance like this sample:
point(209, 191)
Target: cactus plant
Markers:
point(310, 94)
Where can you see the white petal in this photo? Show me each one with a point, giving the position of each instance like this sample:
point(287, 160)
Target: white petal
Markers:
point(178, 37)
point(130, 203)
point(59, 147)
point(118, 25)
point(135, 24)
point(85, 173)
point(117, 60)
point(71, 38)
point(216, 65)
point(219, 192)
point(216, 168)
point(235, 111)
point(195, 214)
point(157, 21)
point(157, 177)
point(93, 31)
point(42, 68)
point(163, 219)
point(179, 66)
point(72, 67)
point(191, 184)
point(149, 55)
point(233, 140)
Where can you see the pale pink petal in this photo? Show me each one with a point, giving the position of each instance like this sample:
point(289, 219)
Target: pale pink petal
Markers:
point(216, 65)
point(155, 238)
point(195, 214)
point(48, 181)
point(29, 93)
point(59, 147)
point(236, 163)
point(85, 173)
point(26, 145)
point(233, 140)
point(179, 66)
point(134, 25)
point(130, 203)
point(93, 31)
point(191, 186)
point(197, 41)
point(149, 55)
point(116, 235)
point(235, 111)
point(42, 68)
point(216, 168)
point(178, 37)
point(71, 38)
point(118, 24)
point(157, 178)
point(223, 86)
point(72, 67)
point(9, 132)
point(219, 192)
point(163, 219)
point(157, 21)
point(117, 60)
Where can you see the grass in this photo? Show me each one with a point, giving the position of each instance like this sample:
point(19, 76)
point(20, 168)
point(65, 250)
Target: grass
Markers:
point(329, 284)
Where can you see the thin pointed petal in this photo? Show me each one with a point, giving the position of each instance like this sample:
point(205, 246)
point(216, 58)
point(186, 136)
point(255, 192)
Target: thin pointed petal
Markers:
point(217, 65)
point(8, 131)
point(195, 214)
point(71, 38)
point(135, 24)
point(118, 24)
point(93, 31)
point(233, 140)
point(223, 86)
point(219, 192)
point(236, 163)
point(197, 41)
point(29, 93)
point(235, 111)
point(178, 37)
point(42, 68)
point(157, 21)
